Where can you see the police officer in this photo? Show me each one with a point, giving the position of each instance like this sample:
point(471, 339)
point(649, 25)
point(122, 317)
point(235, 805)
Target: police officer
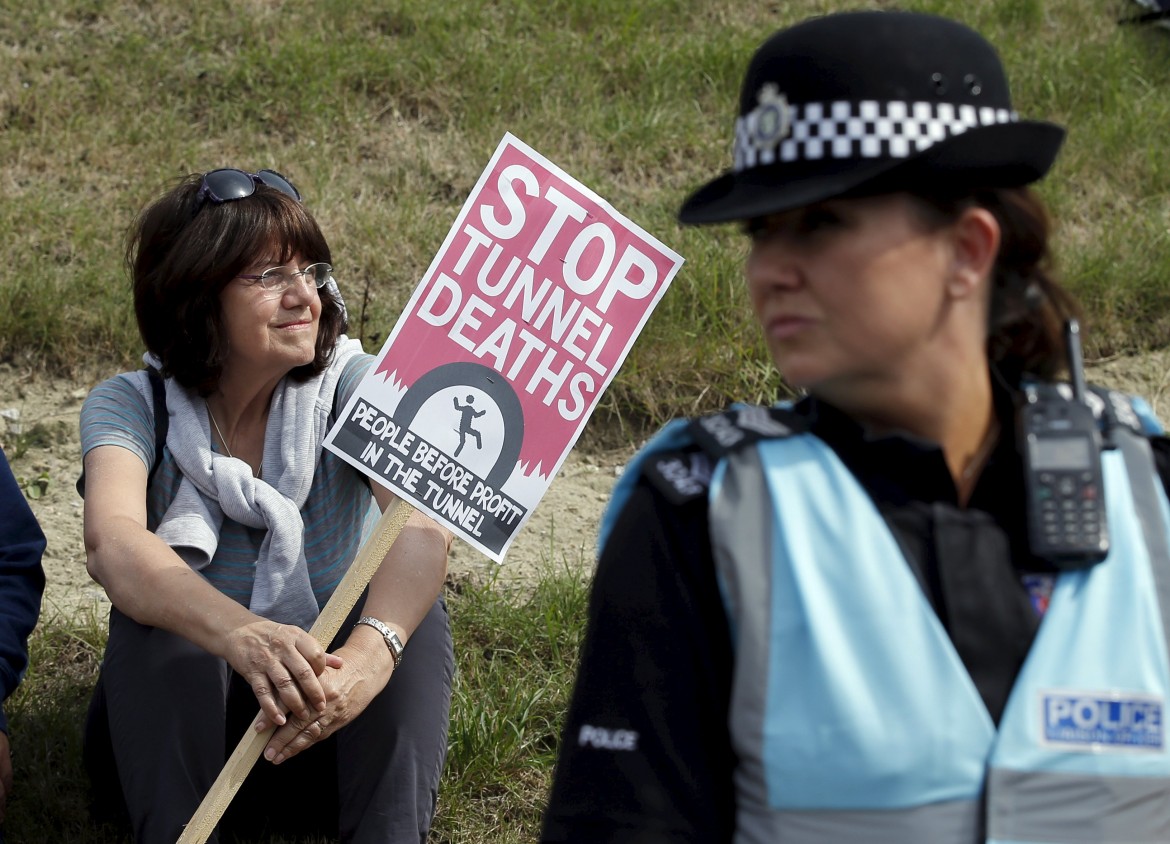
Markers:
point(822, 622)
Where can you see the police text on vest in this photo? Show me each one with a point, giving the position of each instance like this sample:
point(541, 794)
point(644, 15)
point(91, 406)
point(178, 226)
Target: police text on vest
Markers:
point(1101, 721)
point(599, 738)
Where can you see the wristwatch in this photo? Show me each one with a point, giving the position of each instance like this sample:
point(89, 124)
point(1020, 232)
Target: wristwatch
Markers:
point(392, 641)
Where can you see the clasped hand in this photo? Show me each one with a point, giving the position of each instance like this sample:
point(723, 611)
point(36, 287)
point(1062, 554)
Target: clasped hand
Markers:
point(307, 693)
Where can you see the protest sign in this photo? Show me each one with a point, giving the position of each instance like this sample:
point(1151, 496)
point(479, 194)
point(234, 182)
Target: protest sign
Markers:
point(519, 324)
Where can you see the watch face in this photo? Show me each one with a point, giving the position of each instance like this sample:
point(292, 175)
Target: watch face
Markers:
point(389, 636)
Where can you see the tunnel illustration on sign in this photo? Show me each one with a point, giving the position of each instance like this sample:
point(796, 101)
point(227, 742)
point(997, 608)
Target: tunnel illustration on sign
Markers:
point(464, 403)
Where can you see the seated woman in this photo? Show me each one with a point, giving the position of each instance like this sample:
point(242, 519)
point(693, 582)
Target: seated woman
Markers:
point(218, 548)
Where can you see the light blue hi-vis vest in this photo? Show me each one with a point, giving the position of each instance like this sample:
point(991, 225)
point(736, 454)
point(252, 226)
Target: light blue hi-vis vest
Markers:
point(853, 718)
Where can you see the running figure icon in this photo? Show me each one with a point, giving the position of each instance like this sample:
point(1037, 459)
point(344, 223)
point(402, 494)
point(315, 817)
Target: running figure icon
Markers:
point(467, 414)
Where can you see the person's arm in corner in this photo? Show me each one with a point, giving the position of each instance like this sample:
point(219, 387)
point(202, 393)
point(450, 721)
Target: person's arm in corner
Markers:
point(401, 593)
point(645, 753)
point(22, 582)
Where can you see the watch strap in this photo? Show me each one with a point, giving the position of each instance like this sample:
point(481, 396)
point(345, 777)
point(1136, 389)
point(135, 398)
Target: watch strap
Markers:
point(393, 643)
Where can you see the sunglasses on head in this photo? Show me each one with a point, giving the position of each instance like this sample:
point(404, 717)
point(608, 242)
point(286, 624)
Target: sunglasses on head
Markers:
point(229, 184)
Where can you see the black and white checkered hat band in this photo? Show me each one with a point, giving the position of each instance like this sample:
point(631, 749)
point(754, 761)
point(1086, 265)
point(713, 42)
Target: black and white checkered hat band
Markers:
point(778, 133)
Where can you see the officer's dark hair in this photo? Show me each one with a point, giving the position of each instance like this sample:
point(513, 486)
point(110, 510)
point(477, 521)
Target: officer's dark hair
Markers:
point(1028, 305)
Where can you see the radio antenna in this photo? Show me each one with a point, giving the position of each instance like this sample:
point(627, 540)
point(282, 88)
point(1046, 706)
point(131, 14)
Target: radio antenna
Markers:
point(1076, 360)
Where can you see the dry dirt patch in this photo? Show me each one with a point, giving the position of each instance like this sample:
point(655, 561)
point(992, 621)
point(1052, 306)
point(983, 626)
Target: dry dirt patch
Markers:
point(561, 533)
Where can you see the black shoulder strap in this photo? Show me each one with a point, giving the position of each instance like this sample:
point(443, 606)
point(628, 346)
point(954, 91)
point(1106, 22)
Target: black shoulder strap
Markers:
point(1116, 409)
point(680, 476)
point(161, 418)
point(685, 474)
point(719, 434)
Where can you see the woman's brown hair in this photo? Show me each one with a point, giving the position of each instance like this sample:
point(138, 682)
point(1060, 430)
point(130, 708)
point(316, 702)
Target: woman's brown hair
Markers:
point(182, 251)
point(1028, 305)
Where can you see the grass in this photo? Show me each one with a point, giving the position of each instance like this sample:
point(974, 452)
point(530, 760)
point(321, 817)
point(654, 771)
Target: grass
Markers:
point(385, 113)
point(515, 653)
point(515, 657)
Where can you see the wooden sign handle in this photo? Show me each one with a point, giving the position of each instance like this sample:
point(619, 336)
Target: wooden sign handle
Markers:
point(324, 629)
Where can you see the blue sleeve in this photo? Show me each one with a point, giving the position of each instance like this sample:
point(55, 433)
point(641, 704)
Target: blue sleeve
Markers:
point(355, 370)
point(22, 581)
point(116, 413)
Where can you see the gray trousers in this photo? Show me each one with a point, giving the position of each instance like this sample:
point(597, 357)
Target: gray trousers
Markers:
point(166, 715)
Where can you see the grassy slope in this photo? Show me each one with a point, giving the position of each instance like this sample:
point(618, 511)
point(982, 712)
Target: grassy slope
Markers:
point(385, 113)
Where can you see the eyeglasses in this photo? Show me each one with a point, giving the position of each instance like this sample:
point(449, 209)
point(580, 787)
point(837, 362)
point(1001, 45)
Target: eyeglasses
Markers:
point(280, 279)
point(229, 184)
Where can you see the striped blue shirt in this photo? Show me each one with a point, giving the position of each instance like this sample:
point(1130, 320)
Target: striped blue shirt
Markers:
point(120, 411)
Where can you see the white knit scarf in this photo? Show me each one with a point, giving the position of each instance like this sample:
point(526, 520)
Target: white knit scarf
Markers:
point(215, 485)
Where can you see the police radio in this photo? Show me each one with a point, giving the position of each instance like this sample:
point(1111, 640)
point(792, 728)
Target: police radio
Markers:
point(1062, 470)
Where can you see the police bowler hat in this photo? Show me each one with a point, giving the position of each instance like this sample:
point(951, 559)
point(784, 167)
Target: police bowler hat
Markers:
point(872, 102)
